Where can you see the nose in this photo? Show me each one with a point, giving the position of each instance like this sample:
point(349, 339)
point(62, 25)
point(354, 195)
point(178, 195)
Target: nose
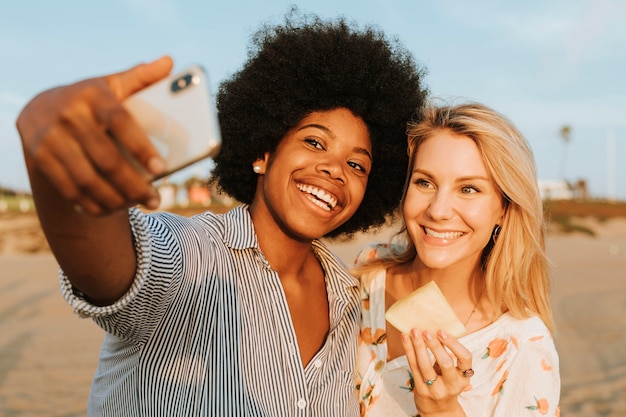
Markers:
point(332, 167)
point(441, 206)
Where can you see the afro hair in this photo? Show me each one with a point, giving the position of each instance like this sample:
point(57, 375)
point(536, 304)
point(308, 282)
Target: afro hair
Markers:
point(307, 65)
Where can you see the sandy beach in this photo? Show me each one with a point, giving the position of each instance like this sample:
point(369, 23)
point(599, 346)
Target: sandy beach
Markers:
point(48, 355)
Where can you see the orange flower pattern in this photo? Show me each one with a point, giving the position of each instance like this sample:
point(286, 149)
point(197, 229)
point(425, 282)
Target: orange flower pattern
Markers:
point(365, 300)
point(515, 363)
point(545, 365)
point(515, 342)
point(541, 405)
point(366, 336)
point(500, 385)
point(496, 348)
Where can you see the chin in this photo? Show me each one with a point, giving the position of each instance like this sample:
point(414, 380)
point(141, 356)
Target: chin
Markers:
point(437, 262)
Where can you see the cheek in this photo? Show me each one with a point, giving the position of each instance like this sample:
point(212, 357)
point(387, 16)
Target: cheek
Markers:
point(481, 224)
point(407, 210)
point(413, 205)
point(358, 191)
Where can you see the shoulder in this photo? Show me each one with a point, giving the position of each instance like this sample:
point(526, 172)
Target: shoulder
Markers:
point(368, 265)
point(234, 227)
point(527, 334)
point(512, 335)
point(530, 328)
point(372, 253)
point(167, 236)
point(165, 219)
point(173, 219)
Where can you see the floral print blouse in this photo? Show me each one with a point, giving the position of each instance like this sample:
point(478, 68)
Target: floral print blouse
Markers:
point(515, 362)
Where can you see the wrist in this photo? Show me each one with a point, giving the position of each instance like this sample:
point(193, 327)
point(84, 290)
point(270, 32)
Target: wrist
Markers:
point(456, 411)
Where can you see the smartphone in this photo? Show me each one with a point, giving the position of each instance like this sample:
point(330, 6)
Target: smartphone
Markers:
point(179, 116)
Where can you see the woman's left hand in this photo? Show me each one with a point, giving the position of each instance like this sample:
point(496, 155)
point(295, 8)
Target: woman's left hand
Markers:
point(438, 386)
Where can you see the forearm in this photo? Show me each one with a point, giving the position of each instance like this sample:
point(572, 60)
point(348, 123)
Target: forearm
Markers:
point(96, 253)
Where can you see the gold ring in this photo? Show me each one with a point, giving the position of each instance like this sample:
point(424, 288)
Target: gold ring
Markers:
point(468, 372)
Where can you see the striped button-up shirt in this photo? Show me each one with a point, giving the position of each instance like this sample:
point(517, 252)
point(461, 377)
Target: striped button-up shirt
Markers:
point(205, 329)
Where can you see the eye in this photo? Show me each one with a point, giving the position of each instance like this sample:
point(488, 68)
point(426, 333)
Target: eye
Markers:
point(423, 183)
point(314, 143)
point(469, 189)
point(357, 166)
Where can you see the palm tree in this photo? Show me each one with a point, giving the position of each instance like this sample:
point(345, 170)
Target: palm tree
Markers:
point(565, 134)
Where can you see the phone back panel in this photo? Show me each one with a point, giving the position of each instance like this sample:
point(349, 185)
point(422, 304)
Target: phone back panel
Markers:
point(179, 116)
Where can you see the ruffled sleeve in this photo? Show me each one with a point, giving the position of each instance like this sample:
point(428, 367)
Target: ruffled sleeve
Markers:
point(530, 385)
point(159, 271)
point(82, 307)
point(372, 252)
point(372, 342)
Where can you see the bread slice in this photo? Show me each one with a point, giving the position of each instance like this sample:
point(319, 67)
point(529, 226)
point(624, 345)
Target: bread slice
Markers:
point(426, 308)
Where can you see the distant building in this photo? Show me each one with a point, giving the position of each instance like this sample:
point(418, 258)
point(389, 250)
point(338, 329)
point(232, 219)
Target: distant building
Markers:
point(167, 192)
point(555, 190)
point(199, 194)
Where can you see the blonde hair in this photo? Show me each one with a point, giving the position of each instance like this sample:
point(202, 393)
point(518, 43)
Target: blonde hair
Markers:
point(516, 265)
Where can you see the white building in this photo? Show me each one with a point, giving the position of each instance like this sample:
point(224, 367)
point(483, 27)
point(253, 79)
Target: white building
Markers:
point(555, 190)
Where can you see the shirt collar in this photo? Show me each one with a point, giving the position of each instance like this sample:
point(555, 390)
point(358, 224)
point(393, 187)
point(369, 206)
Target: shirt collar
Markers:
point(333, 266)
point(239, 233)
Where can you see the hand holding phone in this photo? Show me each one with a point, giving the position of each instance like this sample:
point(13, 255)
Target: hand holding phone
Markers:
point(179, 116)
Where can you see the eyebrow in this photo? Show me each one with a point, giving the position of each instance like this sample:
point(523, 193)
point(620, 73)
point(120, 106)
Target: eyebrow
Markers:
point(461, 179)
point(330, 133)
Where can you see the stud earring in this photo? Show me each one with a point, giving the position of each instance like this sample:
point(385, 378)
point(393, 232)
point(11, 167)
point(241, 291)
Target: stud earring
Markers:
point(256, 168)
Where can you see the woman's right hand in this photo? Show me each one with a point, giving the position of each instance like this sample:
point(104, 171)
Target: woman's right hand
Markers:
point(69, 137)
point(437, 386)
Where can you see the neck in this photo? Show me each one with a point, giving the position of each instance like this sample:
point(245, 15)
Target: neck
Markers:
point(455, 283)
point(287, 255)
point(464, 290)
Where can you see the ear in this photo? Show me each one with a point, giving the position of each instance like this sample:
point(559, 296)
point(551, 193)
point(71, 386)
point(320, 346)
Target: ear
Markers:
point(503, 212)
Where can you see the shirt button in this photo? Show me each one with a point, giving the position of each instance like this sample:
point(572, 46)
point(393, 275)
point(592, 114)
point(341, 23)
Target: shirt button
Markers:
point(317, 363)
point(301, 403)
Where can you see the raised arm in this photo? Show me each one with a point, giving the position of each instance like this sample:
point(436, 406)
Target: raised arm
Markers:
point(82, 184)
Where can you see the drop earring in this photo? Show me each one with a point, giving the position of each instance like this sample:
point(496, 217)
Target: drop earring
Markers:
point(496, 232)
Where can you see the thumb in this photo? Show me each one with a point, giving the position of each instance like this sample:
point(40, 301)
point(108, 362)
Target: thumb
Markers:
point(124, 84)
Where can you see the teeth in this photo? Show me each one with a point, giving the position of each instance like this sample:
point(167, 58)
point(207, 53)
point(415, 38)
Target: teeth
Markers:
point(444, 235)
point(318, 195)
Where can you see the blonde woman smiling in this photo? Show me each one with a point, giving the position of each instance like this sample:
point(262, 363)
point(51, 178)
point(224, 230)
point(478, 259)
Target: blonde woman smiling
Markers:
point(473, 224)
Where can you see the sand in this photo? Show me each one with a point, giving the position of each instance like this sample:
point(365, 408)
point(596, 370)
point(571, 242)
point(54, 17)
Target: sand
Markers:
point(48, 355)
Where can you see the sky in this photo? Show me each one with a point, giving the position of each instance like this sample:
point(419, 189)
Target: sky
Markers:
point(544, 64)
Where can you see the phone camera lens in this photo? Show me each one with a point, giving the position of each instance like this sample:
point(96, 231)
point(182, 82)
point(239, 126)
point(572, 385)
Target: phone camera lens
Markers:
point(181, 83)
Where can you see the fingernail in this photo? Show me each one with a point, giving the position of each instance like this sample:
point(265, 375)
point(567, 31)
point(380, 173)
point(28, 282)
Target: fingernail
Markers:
point(443, 334)
point(415, 332)
point(428, 335)
point(156, 165)
point(153, 203)
point(404, 337)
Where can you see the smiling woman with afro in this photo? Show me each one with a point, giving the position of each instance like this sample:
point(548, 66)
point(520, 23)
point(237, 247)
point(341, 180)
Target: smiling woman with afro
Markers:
point(308, 65)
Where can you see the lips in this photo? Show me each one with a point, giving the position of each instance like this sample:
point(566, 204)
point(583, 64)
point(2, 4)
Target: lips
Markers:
point(442, 235)
point(318, 196)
